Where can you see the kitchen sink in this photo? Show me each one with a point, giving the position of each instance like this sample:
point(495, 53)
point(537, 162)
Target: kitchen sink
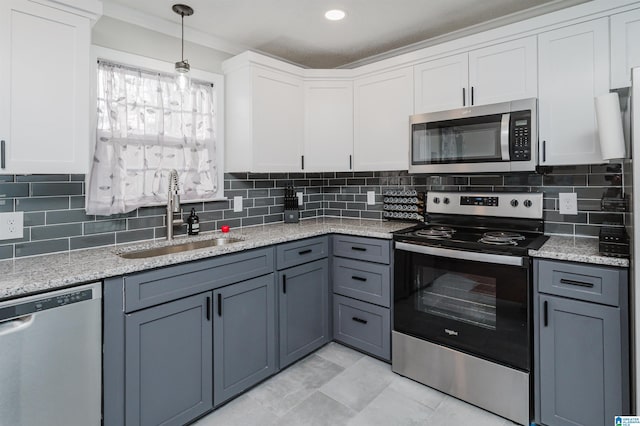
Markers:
point(178, 248)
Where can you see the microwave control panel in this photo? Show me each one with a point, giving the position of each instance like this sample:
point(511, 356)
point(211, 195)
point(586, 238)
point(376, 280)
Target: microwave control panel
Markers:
point(520, 140)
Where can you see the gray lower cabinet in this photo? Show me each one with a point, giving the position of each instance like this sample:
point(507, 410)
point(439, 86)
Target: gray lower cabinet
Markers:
point(362, 325)
point(244, 330)
point(581, 343)
point(168, 358)
point(304, 310)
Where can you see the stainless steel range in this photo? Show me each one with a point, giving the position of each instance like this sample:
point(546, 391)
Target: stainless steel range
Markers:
point(462, 298)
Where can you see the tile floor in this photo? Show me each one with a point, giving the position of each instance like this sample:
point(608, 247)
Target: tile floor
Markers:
point(339, 386)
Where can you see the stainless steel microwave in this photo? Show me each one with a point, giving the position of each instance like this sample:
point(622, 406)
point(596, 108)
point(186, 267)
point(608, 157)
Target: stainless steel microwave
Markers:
point(488, 138)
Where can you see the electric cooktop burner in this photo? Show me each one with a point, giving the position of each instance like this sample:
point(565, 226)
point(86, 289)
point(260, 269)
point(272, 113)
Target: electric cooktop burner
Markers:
point(501, 238)
point(436, 232)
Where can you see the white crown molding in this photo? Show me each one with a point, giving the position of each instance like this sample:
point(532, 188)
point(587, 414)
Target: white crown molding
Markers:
point(91, 9)
point(173, 29)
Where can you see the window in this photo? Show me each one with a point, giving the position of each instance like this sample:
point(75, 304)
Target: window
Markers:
point(145, 128)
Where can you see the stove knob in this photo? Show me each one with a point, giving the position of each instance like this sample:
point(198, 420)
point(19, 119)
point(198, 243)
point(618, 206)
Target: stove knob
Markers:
point(436, 200)
point(528, 203)
point(446, 200)
point(514, 203)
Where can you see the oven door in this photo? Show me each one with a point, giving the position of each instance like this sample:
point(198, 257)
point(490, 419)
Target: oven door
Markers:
point(474, 302)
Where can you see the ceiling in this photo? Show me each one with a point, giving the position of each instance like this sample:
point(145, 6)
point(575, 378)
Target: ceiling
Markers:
point(296, 30)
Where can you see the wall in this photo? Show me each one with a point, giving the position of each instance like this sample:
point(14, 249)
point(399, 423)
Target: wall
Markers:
point(119, 35)
point(55, 219)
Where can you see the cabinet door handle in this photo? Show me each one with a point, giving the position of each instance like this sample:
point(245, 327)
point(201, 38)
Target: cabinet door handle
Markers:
point(472, 96)
point(578, 283)
point(360, 320)
point(302, 161)
point(219, 304)
point(464, 96)
point(358, 248)
point(350, 162)
point(284, 284)
point(358, 278)
point(544, 151)
point(546, 313)
point(2, 157)
point(307, 251)
point(208, 308)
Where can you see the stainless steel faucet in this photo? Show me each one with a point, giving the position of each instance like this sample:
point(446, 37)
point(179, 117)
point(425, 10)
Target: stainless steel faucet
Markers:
point(173, 204)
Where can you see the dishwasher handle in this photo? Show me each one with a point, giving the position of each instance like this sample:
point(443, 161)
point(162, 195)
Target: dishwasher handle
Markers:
point(15, 325)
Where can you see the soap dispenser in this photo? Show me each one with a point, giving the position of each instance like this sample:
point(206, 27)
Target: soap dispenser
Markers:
point(193, 223)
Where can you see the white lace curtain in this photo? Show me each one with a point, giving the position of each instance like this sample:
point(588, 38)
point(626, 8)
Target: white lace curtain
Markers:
point(146, 127)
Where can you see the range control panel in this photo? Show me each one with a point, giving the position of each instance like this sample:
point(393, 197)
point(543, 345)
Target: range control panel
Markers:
point(527, 205)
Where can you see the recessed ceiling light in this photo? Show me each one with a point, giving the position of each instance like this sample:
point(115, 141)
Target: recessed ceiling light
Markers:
point(335, 15)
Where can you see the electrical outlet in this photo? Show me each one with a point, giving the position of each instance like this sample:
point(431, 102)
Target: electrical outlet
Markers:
point(300, 198)
point(237, 203)
point(371, 198)
point(568, 203)
point(11, 225)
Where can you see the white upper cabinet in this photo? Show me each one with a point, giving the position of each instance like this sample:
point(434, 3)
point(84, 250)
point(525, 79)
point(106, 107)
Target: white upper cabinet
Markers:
point(328, 128)
point(625, 47)
point(44, 89)
point(504, 72)
point(441, 84)
point(498, 73)
point(574, 69)
point(264, 120)
point(382, 106)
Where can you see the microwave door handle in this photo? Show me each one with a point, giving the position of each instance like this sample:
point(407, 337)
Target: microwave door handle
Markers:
point(504, 136)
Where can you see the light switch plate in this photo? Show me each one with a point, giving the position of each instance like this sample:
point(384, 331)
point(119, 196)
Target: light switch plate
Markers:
point(568, 203)
point(371, 197)
point(11, 225)
point(300, 198)
point(237, 203)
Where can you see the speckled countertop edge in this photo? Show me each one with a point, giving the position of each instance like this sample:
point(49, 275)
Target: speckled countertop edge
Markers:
point(24, 276)
point(576, 249)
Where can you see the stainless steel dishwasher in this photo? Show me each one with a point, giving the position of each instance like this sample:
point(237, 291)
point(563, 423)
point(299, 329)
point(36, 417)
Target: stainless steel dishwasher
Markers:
point(50, 358)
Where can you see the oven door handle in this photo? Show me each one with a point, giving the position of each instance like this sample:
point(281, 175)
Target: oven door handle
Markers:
point(504, 136)
point(459, 254)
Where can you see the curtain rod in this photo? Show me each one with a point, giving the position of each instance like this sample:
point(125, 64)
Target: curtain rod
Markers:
point(147, 71)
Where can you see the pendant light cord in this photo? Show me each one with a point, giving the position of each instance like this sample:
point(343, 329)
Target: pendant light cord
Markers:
point(182, 54)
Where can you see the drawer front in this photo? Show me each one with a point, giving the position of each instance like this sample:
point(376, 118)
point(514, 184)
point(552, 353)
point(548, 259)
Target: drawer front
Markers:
point(362, 325)
point(299, 252)
point(163, 285)
point(369, 282)
point(583, 282)
point(360, 248)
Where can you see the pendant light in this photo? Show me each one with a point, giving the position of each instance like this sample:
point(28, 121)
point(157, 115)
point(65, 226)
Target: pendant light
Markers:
point(183, 80)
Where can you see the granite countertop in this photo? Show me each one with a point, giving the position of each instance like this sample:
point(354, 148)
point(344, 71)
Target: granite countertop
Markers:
point(25, 276)
point(36, 274)
point(576, 249)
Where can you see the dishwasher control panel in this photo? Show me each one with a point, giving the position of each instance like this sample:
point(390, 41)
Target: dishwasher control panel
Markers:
point(45, 303)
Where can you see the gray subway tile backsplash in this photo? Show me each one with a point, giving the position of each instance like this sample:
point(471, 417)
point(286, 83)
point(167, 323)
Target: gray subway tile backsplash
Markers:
point(55, 219)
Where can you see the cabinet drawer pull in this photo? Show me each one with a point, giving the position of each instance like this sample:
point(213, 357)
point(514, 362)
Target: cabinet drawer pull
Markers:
point(307, 251)
point(358, 248)
point(219, 304)
point(577, 283)
point(354, 277)
point(284, 284)
point(360, 320)
point(208, 308)
point(464, 97)
point(546, 313)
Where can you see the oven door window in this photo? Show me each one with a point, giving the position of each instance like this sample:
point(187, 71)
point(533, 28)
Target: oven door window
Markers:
point(476, 307)
point(467, 140)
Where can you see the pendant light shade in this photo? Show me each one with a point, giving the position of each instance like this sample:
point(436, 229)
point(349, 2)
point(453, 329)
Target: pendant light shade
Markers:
point(183, 80)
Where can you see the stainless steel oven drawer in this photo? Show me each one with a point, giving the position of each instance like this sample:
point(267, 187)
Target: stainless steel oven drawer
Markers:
point(362, 325)
point(361, 248)
point(598, 284)
point(365, 281)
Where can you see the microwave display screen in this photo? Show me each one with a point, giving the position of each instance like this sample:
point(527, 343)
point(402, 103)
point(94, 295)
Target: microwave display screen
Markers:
point(475, 139)
point(521, 122)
